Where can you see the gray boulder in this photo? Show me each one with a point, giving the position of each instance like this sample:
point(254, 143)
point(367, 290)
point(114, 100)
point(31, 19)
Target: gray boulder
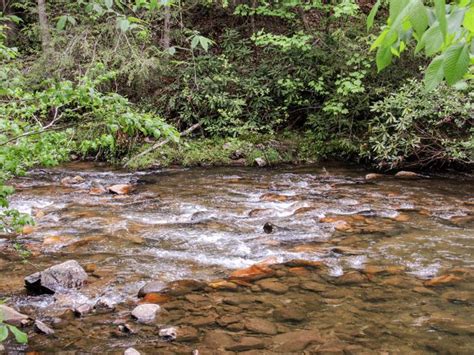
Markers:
point(67, 275)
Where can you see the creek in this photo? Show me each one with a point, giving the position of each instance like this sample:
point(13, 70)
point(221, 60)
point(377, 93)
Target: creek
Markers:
point(382, 245)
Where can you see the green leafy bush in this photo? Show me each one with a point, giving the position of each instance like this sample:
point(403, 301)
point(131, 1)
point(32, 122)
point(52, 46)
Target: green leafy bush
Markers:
point(414, 127)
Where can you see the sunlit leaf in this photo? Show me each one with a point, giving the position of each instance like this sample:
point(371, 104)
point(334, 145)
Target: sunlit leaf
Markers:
point(434, 74)
point(456, 63)
point(20, 336)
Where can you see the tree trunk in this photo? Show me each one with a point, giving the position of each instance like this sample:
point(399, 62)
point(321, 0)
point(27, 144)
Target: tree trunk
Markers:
point(166, 38)
point(44, 27)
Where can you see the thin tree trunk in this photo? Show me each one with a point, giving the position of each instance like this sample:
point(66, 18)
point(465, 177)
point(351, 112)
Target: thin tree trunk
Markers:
point(44, 27)
point(166, 38)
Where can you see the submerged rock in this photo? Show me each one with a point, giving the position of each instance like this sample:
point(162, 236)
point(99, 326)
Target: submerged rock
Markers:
point(374, 176)
point(443, 280)
point(11, 316)
point(246, 343)
point(58, 277)
point(146, 313)
point(407, 175)
point(295, 341)
point(260, 326)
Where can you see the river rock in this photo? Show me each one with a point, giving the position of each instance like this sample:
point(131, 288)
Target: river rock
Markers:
point(246, 343)
point(313, 286)
point(296, 341)
point(182, 287)
point(260, 162)
point(187, 334)
point(374, 176)
point(10, 316)
point(443, 280)
point(56, 278)
point(252, 273)
point(145, 313)
point(351, 278)
point(260, 326)
point(168, 334)
point(273, 286)
point(407, 175)
point(223, 285)
point(82, 310)
point(151, 287)
point(461, 297)
point(217, 339)
point(131, 351)
point(104, 305)
point(42, 328)
point(120, 189)
point(157, 298)
point(289, 314)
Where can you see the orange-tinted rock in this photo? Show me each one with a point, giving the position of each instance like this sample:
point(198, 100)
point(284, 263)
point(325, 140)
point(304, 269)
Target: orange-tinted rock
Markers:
point(342, 226)
point(156, 298)
point(96, 191)
point(91, 267)
point(254, 272)
point(273, 197)
point(303, 210)
point(39, 214)
point(389, 270)
point(223, 285)
point(259, 212)
point(351, 278)
point(401, 217)
point(120, 189)
point(301, 271)
point(443, 280)
point(374, 176)
point(56, 239)
point(27, 229)
point(407, 175)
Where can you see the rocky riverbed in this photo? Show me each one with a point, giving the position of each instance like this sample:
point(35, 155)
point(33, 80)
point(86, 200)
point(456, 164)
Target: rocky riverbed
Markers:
point(287, 260)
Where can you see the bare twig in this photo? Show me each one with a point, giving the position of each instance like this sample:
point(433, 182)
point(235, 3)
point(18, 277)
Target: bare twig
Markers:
point(162, 143)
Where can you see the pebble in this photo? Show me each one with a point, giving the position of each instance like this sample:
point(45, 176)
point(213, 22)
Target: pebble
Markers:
point(42, 328)
point(145, 313)
point(168, 334)
point(131, 351)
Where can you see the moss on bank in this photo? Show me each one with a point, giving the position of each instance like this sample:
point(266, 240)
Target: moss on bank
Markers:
point(288, 147)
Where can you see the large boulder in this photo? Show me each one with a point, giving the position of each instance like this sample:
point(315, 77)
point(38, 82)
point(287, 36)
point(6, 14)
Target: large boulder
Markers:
point(59, 277)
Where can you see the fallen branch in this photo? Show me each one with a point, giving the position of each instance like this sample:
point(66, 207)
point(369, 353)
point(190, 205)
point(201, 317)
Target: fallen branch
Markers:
point(162, 143)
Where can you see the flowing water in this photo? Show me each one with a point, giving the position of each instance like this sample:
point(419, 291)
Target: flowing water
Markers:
point(204, 223)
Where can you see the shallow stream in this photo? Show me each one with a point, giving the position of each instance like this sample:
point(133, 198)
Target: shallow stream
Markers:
point(204, 223)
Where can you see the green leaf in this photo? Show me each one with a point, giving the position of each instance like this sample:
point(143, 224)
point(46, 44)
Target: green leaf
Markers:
point(61, 23)
point(419, 18)
point(71, 20)
point(372, 14)
point(396, 6)
point(434, 74)
point(194, 42)
point(20, 336)
point(383, 58)
point(108, 3)
point(440, 10)
point(469, 19)
point(153, 4)
point(456, 62)
point(432, 40)
point(3, 332)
